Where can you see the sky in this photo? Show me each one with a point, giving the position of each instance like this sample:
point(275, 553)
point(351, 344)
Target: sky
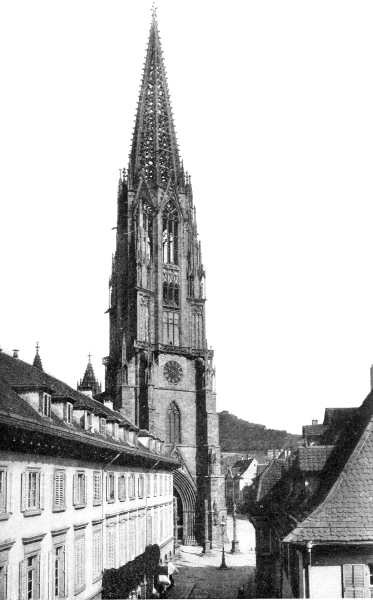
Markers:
point(272, 104)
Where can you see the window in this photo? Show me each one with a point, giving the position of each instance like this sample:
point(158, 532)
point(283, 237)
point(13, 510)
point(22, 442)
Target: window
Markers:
point(170, 287)
point(197, 327)
point(59, 572)
point(89, 421)
point(79, 562)
point(170, 233)
point(141, 486)
point(110, 487)
point(161, 485)
point(97, 552)
point(103, 426)
point(45, 405)
point(5, 492)
point(131, 487)
point(69, 412)
point(173, 424)
point(144, 334)
point(161, 532)
point(122, 487)
point(155, 482)
point(122, 542)
point(3, 582)
point(79, 489)
point(147, 227)
point(116, 430)
point(59, 489)
point(29, 577)
point(97, 489)
point(171, 328)
point(148, 491)
point(32, 491)
point(110, 546)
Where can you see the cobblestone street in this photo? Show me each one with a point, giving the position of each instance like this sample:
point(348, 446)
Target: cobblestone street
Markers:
point(199, 576)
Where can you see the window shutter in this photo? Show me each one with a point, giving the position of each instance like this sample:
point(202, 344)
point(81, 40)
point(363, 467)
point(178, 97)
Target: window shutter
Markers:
point(41, 477)
point(354, 581)
point(22, 579)
point(50, 574)
point(23, 491)
point(42, 575)
point(75, 489)
point(85, 488)
point(8, 484)
point(66, 571)
point(41, 397)
point(107, 487)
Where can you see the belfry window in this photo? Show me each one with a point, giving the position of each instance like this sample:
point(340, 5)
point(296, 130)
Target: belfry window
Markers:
point(173, 424)
point(170, 233)
point(170, 287)
point(171, 327)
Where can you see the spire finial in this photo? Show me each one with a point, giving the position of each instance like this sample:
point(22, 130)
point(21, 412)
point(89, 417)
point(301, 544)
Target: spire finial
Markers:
point(89, 357)
point(154, 12)
point(37, 347)
point(37, 360)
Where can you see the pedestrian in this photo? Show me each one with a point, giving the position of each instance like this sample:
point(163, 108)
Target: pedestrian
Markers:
point(172, 570)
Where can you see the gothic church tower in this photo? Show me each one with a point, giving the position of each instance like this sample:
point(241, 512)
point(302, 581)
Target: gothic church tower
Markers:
point(160, 372)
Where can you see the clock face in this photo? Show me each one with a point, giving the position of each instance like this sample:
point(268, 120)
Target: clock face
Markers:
point(172, 371)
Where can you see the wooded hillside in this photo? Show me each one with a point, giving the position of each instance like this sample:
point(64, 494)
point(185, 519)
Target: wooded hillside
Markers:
point(238, 435)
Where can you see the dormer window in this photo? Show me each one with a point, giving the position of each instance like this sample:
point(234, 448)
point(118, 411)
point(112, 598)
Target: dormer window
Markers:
point(116, 431)
point(103, 426)
point(46, 405)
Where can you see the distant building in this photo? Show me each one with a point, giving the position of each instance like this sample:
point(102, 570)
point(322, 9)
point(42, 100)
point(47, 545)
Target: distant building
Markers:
point(82, 489)
point(239, 478)
point(313, 512)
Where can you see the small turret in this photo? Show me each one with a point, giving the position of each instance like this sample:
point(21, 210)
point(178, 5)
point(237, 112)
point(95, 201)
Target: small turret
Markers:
point(37, 360)
point(89, 385)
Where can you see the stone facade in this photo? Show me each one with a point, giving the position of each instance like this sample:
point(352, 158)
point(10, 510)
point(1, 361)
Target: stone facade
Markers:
point(160, 372)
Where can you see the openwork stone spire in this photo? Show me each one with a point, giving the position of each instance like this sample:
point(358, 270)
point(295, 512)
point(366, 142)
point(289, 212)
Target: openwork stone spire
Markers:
point(154, 145)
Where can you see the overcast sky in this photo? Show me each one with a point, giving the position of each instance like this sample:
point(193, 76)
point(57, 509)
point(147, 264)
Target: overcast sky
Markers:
point(273, 111)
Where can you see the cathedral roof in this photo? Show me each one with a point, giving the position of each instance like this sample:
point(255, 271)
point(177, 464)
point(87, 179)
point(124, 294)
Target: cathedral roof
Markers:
point(89, 381)
point(154, 150)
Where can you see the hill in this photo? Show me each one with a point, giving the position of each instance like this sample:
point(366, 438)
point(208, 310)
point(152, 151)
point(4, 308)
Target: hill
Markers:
point(237, 435)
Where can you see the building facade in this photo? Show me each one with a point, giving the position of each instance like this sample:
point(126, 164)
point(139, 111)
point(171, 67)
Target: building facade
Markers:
point(160, 372)
point(81, 488)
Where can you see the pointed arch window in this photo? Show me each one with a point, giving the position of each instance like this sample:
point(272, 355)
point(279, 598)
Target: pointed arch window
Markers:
point(173, 424)
point(170, 233)
point(147, 227)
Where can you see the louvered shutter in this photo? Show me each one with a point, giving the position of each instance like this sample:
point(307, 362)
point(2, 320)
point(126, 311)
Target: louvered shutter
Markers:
point(41, 478)
point(66, 571)
point(42, 576)
point(50, 574)
point(22, 579)
point(85, 488)
point(11, 583)
point(75, 489)
point(107, 487)
point(354, 581)
point(24, 480)
point(79, 562)
point(9, 477)
point(41, 399)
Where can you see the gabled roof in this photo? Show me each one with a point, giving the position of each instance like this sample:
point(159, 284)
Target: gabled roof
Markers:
point(342, 509)
point(318, 429)
point(269, 478)
point(240, 466)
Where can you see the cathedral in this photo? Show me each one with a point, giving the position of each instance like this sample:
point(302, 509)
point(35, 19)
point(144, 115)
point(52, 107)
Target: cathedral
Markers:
point(160, 373)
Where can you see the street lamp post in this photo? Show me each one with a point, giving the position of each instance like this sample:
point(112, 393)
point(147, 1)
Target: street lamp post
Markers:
point(235, 542)
point(206, 546)
point(223, 565)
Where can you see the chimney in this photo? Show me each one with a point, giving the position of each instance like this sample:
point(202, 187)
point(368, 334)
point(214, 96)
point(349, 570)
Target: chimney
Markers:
point(315, 422)
point(15, 353)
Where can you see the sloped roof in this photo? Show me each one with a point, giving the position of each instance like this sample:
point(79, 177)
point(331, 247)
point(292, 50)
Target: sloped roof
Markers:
point(240, 466)
point(15, 411)
point(270, 477)
point(314, 429)
point(343, 506)
point(313, 458)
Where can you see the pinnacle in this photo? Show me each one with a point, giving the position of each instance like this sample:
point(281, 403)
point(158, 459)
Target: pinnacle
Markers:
point(37, 360)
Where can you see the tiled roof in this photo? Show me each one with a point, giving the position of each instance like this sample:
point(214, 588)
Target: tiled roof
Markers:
point(314, 429)
point(313, 458)
point(337, 415)
point(240, 466)
point(269, 478)
point(343, 505)
point(17, 412)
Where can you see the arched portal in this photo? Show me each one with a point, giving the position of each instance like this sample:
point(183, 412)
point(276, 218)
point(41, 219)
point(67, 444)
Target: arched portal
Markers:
point(187, 494)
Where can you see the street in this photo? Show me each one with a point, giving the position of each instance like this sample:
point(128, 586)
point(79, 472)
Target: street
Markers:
point(199, 576)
